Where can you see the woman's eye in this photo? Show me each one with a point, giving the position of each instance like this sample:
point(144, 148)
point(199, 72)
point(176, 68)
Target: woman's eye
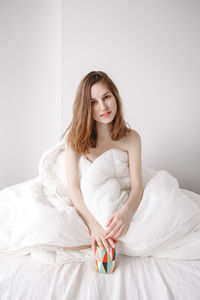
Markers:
point(108, 96)
point(93, 102)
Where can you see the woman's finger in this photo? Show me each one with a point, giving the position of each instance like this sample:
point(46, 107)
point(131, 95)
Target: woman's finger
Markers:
point(114, 240)
point(120, 232)
point(125, 231)
point(93, 242)
point(106, 244)
point(100, 244)
point(111, 243)
point(114, 231)
point(111, 226)
point(109, 221)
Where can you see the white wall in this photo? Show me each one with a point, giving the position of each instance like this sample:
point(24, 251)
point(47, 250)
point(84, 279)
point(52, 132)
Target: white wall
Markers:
point(149, 48)
point(30, 85)
point(151, 51)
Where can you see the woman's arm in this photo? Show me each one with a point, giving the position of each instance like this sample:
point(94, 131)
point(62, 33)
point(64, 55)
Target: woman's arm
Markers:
point(119, 222)
point(76, 197)
point(134, 147)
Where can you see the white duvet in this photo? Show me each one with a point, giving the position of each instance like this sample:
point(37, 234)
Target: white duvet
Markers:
point(37, 216)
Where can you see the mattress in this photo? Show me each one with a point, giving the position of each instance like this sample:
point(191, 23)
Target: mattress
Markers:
point(138, 278)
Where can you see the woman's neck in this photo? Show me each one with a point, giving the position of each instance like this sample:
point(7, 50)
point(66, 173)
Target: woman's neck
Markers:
point(103, 132)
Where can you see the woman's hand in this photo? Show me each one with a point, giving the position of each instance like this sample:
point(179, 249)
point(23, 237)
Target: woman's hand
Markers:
point(98, 237)
point(118, 223)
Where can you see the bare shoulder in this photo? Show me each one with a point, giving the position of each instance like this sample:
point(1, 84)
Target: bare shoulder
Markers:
point(132, 140)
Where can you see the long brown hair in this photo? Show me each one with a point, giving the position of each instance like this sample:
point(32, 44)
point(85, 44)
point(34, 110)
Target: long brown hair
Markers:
point(83, 134)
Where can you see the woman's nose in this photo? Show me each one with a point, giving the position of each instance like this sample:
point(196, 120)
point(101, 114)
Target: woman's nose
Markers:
point(103, 105)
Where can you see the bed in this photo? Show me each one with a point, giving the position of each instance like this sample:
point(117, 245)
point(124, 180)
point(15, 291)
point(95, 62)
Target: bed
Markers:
point(138, 278)
point(36, 211)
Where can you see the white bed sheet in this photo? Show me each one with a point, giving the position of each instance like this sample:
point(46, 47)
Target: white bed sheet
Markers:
point(138, 278)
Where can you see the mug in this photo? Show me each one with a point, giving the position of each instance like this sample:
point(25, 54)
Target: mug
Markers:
point(104, 260)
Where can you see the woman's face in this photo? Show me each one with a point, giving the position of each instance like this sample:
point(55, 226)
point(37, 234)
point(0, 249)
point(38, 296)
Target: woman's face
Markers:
point(103, 102)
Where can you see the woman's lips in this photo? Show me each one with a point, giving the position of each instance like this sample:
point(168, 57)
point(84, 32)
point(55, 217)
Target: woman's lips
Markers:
point(106, 114)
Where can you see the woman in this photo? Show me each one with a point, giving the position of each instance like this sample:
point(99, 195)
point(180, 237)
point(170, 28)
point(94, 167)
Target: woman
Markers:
point(96, 127)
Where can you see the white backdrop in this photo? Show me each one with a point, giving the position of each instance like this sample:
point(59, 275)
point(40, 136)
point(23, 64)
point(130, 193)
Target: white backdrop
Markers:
point(29, 85)
point(151, 51)
point(149, 48)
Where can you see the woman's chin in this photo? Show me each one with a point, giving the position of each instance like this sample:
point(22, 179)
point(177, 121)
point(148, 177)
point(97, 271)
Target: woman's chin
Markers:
point(104, 121)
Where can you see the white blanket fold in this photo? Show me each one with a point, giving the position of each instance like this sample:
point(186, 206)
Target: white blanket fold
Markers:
point(38, 214)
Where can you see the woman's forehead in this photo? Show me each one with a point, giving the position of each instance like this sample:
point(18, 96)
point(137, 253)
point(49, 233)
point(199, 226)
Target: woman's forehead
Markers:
point(99, 89)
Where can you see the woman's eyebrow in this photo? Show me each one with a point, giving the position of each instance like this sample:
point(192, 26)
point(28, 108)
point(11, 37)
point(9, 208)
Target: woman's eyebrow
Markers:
point(102, 96)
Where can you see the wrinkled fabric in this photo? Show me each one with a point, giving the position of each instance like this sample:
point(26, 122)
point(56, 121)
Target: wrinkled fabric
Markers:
point(166, 223)
point(38, 217)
